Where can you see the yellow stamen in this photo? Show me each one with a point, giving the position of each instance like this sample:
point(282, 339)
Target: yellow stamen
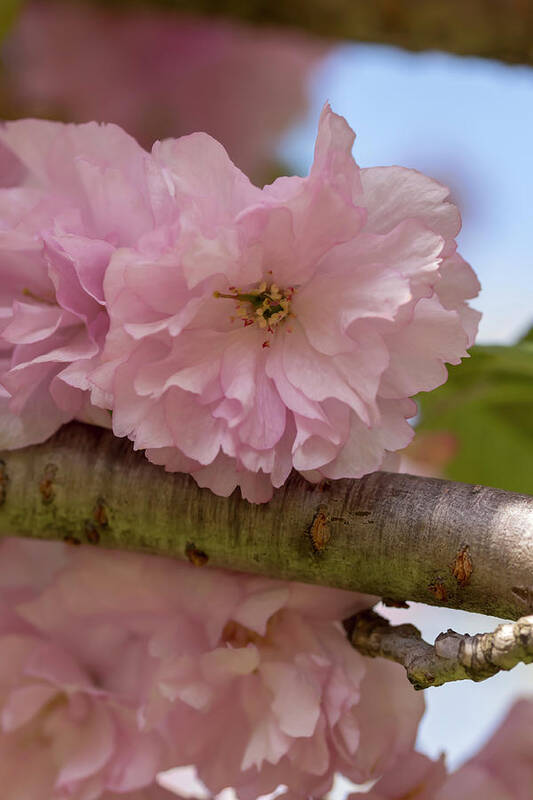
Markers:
point(39, 298)
point(266, 306)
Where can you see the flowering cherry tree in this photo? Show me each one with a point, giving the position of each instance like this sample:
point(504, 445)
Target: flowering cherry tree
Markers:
point(267, 339)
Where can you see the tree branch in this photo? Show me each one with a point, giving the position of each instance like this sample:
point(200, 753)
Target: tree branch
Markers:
point(392, 535)
point(501, 29)
point(453, 657)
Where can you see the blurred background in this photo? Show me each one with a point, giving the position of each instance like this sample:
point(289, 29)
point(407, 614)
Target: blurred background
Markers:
point(258, 88)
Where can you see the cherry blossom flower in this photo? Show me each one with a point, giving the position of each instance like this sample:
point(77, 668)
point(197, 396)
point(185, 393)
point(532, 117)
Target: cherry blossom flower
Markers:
point(153, 792)
point(286, 327)
point(284, 702)
point(157, 74)
point(252, 680)
point(59, 710)
point(412, 777)
point(70, 196)
point(76, 739)
point(22, 578)
point(503, 768)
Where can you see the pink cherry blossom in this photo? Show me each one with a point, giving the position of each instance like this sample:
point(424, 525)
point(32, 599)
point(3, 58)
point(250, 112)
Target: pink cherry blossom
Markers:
point(412, 777)
point(25, 570)
point(252, 680)
point(159, 74)
point(503, 769)
point(71, 195)
point(153, 792)
point(77, 740)
point(285, 701)
point(64, 711)
point(286, 327)
point(60, 713)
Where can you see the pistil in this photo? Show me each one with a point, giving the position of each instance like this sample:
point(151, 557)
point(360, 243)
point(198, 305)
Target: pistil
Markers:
point(267, 306)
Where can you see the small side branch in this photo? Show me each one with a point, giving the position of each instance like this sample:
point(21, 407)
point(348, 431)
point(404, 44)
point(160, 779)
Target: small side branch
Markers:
point(453, 657)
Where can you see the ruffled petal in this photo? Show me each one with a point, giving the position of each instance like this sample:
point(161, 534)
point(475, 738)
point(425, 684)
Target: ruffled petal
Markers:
point(433, 337)
point(394, 194)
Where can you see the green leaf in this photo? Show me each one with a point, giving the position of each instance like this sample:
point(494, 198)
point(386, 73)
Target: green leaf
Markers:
point(528, 337)
point(487, 404)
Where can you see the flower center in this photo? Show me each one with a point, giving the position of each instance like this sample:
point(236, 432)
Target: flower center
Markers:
point(237, 635)
point(39, 730)
point(49, 301)
point(267, 306)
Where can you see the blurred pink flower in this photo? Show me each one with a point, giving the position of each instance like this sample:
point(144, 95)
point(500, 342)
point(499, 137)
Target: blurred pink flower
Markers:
point(429, 453)
point(284, 327)
point(281, 700)
point(503, 769)
point(252, 680)
point(71, 195)
point(412, 777)
point(159, 74)
point(69, 712)
point(62, 733)
point(77, 740)
point(27, 567)
point(153, 792)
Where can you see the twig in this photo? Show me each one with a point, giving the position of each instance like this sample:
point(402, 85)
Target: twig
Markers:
point(397, 536)
point(453, 657)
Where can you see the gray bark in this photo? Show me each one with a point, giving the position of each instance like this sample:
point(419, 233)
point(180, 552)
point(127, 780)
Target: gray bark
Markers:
point(453, 657)
point(392, 535)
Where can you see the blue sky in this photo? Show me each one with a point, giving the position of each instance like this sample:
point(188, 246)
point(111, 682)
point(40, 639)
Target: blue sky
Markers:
point(467, 122)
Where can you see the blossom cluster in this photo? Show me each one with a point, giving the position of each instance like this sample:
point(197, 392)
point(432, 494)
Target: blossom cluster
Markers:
point(115, 666)
point(235, 333)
